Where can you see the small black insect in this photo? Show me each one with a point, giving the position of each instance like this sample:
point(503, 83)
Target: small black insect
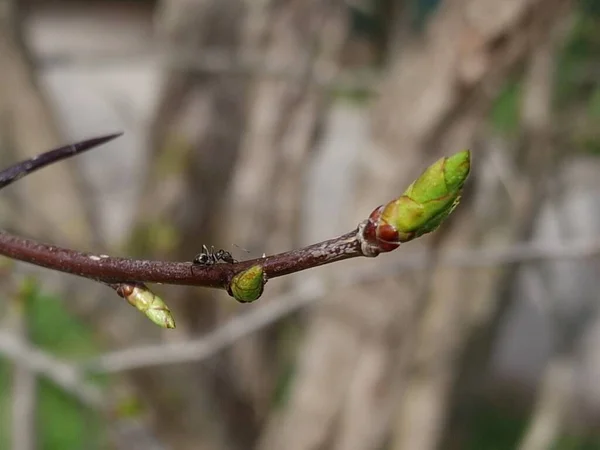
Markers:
point(210, 257)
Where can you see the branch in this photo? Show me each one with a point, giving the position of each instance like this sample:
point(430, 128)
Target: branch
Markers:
point(116, 270)
point(209, 344)
point(24, 393)
point(123, 430)
point(64, 375)
point(218, 61)
point(113, 270)
point(20, 169)
point(420, 210)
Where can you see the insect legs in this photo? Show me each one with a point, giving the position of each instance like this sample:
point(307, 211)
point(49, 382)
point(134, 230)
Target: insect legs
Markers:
point(210, 257)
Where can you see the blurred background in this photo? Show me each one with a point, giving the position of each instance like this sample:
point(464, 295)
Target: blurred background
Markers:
point(267, 125)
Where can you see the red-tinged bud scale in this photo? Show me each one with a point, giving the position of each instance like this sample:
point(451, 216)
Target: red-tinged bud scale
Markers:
point(377, 231)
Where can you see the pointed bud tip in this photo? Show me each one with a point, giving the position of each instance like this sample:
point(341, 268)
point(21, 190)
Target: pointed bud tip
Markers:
point(161, 317)
point(425, 204)
point(457, 168)
point(170, 322)
point(153, 307)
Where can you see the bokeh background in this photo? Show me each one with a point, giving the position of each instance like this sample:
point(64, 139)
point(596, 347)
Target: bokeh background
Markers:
point(266, 125)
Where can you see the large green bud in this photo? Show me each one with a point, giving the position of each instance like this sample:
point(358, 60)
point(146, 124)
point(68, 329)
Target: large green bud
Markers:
point(423, 206)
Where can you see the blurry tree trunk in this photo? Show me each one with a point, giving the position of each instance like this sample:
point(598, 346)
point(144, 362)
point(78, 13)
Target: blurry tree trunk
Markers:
point(453, 308)
point(552, 406)
point(570, 303)
point(556, 391)
point(195, 137)
point(268, 186)
point(29, 128)
point(203, 122)
point(354, 365)
point(24, 381)
point(491, 293)
point(49, 204)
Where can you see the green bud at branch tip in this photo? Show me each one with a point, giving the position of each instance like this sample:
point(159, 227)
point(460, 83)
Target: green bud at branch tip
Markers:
point(425, 204)
point(248, 286)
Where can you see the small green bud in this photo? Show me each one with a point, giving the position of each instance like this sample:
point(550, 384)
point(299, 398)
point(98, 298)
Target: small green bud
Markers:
point(247, 286)
point(149, 303)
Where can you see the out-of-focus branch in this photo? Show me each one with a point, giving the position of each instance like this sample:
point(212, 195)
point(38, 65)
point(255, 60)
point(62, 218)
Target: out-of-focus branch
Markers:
point(128, 433)
point(64, 375)
point(556, 391)
point(440, 84)
point(215, 61)
point(285, 113)
point(32, 127)
point(197, 126)
point(537, 158)
point(247, 323)
point(518, 253)
point(210, 344)
point(24, 394)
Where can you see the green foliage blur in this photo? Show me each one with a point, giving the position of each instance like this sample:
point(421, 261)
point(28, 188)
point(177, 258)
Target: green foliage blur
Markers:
point(62, 423)
point(499, 427)
point(577, 87)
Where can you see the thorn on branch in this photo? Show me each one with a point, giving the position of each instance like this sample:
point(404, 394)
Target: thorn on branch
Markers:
point(22, 168)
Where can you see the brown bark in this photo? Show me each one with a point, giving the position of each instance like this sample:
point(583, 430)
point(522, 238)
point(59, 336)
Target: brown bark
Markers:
point(24, 381)
point(195, 137)
point(557, 385)
point(422, 426)
point(434, 101)
point(271, 124)
point(537, 161)
point(267, 190)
